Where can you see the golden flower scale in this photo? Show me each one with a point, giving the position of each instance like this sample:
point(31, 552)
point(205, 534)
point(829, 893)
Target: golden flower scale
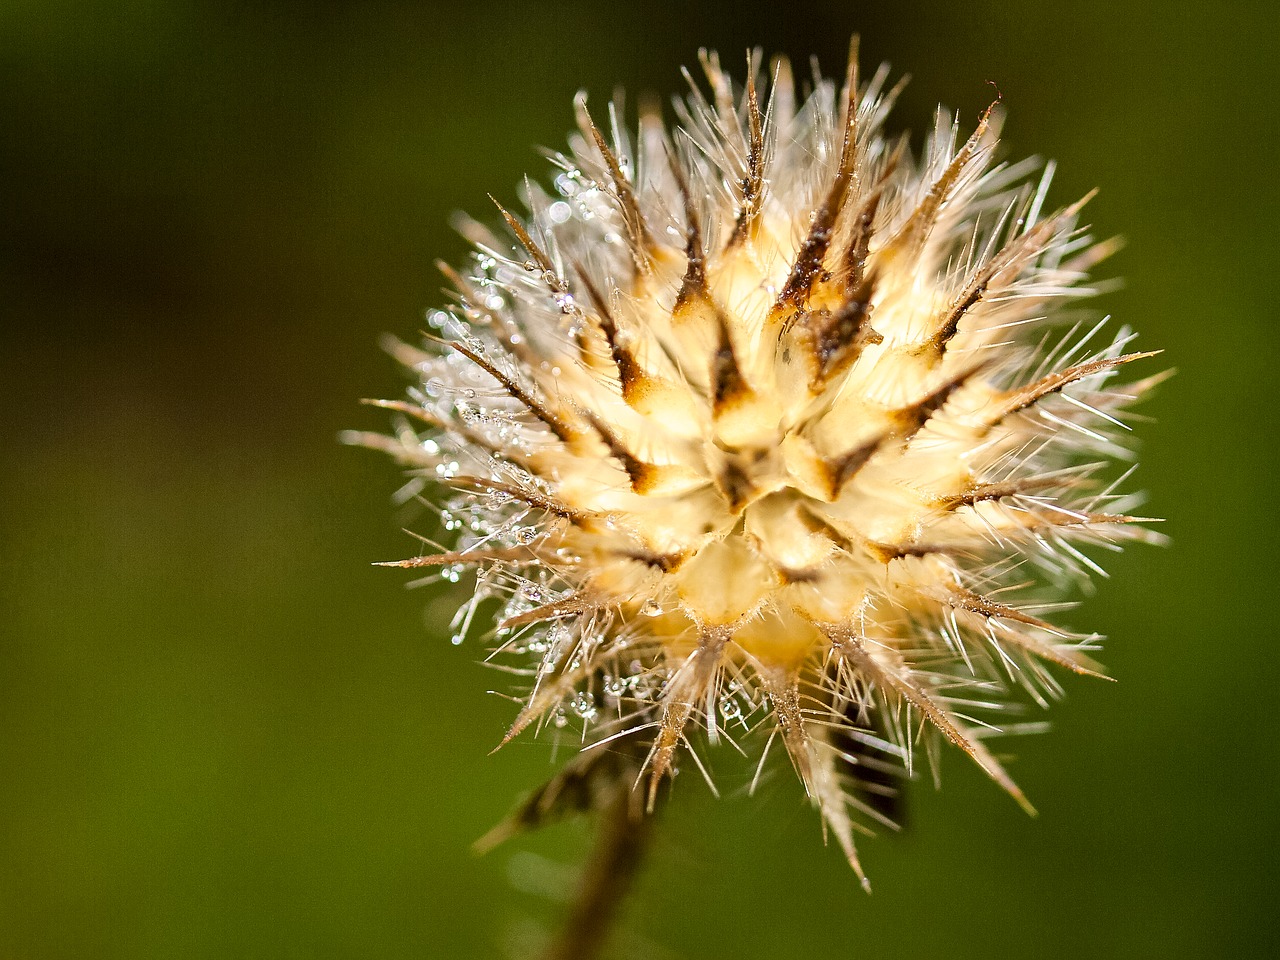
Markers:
point(755, 430)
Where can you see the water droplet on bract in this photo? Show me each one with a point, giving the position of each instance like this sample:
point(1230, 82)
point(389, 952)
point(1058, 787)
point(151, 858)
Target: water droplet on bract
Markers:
point(651, 608)
point(559, 212)
point(584, 706)
point(615, 686)
point(527, 534)
point(560, 720)
point(566, 184)
point(730, 709)
point(457, 639)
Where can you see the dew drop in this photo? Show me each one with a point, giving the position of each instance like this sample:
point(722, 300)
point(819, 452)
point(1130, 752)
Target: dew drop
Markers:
point(584, 706)
point(615, 686)
point(559, 212)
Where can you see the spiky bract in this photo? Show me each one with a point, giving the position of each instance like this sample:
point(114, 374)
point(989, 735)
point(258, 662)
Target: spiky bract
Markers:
point(756, 423)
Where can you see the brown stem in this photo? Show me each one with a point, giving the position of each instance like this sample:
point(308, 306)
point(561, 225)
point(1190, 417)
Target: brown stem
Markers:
point(613, 864)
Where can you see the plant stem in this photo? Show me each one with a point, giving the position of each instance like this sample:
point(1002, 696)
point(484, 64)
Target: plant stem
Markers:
point(613, 864)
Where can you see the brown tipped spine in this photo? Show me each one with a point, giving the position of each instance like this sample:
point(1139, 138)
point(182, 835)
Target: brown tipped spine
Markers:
point(638, 233)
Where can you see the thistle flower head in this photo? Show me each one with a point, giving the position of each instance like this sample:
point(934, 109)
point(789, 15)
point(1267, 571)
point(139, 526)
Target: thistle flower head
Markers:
point(758, 423)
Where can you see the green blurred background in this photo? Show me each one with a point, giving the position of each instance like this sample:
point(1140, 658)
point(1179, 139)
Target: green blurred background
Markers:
point(224, 735)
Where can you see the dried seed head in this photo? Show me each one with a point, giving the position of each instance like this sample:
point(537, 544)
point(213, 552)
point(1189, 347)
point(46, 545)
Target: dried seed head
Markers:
point(756, 423)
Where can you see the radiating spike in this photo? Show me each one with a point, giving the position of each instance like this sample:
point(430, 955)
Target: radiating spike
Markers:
point(848, 644)
point(721, 89)
point(685, 690)
point(525, 495)
point(638, 232)
point(782, 94)
point(545, 696)
point(989, 609)
point(498, 555)
point(911, 236)
point(568, 607)
point(411, 410)
point(850, 123)
point(808, 265)
point(393, 447)
point(539, 255)
point(751, 186)
point(562, 430)
point(1015, 401)
point(986, 607)
point(997, 491)
point(886, 553)
point(728, 385)
point(1001, 270)
point(694, 285)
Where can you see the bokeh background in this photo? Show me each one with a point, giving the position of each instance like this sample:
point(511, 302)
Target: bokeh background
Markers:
point(224, 735)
